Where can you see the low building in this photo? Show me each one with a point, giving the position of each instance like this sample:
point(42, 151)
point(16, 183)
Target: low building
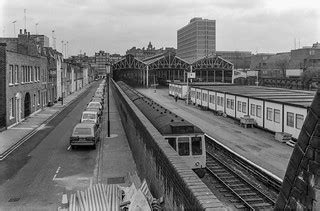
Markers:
point(23, 79)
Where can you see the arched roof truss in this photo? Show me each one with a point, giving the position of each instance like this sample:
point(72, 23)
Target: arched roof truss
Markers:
point(129, 62)
point(212, 62)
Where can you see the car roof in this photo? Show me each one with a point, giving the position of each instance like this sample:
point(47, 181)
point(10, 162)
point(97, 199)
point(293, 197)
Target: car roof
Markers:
point(93, 102)
point(84, 125)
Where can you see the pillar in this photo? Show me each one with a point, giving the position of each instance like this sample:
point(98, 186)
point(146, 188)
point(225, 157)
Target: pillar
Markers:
point(147, 71)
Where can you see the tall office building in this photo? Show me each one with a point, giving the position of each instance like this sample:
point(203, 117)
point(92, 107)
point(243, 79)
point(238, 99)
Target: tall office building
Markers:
point(197, 39)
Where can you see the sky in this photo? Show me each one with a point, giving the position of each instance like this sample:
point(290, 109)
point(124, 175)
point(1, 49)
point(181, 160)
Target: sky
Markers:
point(259, 26)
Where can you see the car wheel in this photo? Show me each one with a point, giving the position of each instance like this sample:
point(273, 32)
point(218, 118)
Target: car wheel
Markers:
point(73, 147)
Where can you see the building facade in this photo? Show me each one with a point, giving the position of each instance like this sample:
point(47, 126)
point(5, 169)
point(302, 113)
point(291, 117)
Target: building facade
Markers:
point(23, 79)
point(143, 53)
point(101, 59)
point(240, 59)
point(197, 39)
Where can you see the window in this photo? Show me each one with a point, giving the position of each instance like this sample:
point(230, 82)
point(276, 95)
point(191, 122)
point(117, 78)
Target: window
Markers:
point(11, 107)
point(269, 113)
point(299, 121)
point(38, 73)
point(228, 103)
point(11, 74)
point(290, 119)
point(183, 146)
point(172, 142)
point(35, 74)
point(196, 145)
point(244, 107)
point(277, 115)
point(258, 111)
point(39, 99)
point(16, 74)
point(253, 110)
point(239, 106)
point(211, 99)
point(34, 100)
point(232, 104)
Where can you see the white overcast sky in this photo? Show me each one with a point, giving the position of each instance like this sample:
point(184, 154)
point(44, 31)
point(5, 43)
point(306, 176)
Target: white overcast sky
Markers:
point(117, 25)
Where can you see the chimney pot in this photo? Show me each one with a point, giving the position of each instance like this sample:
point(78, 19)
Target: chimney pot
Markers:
point(20, 31)
point(25, 31)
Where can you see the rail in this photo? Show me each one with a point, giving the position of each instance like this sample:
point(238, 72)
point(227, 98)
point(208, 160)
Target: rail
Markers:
point(259, 173)
point(248, 195)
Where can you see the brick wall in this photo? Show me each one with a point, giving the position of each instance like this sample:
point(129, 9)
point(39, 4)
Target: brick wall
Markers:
point(165, 172)
point(2, 86)
point(301, 185)
point(32, 88)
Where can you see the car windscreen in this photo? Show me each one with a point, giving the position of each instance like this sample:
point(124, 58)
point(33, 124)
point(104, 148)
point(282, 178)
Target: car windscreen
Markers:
point(88, 116)
point(82, 131)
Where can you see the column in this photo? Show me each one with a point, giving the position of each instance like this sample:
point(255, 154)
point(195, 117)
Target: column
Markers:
point(147, 76)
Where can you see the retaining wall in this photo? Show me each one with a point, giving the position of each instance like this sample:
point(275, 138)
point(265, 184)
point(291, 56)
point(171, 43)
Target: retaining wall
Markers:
point(165, 172)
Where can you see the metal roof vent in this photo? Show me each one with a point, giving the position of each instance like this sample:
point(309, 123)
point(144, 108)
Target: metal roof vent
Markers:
point(182, 120)
point(171, 120)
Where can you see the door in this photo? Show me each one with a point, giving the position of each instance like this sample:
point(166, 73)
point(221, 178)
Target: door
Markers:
point(27, 105)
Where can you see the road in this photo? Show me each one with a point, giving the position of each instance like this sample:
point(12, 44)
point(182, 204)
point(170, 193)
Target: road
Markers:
point(255, 144)
point(37, 174)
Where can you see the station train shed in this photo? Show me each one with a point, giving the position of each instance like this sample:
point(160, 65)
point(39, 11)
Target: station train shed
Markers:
point(168, 67)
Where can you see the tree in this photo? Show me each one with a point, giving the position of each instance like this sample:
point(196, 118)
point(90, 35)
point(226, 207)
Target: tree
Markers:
point(308, 75)
point(282, 65)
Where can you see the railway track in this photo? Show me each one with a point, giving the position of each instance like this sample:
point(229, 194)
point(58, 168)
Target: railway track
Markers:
point(235, 188)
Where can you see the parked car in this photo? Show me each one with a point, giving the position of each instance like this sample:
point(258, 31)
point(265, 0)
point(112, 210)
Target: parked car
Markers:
point(98, 99)
point(85, 134)
point(95, 106)
point(90, 117)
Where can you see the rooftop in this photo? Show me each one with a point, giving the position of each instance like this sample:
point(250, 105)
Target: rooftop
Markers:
point(285, 96)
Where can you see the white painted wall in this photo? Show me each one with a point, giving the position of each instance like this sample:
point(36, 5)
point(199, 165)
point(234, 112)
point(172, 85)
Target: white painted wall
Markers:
point(229, 111)
point(198, 101)
point(213, 104)
point(259, 120)
point(271, 124)
point(193, 98)
point(296, 110)
point(205, 98)
point(240, 113)
point(219, 107)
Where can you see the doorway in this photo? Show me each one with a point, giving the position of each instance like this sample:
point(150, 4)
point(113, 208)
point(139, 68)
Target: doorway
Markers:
point(27, 105)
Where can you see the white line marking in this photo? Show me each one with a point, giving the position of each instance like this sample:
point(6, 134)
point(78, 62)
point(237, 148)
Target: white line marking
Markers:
point(54, 177)
point(69, 147)
point(58, 170)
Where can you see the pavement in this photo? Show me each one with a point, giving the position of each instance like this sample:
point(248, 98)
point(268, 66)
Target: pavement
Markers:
point(17, 134)
point(116, 164)
point(254, 144)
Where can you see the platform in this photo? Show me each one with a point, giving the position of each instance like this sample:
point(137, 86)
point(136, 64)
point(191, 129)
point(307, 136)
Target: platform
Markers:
point(255, 144)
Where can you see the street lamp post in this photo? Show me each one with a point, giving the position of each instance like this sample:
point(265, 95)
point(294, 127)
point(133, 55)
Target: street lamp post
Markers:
point(108, 75)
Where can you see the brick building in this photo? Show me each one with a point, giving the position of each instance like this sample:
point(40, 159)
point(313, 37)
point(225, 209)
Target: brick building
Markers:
point(23, 75)
point(142, 53)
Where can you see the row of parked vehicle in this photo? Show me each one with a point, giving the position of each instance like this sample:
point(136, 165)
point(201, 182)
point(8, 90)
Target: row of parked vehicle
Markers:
point(87, 132)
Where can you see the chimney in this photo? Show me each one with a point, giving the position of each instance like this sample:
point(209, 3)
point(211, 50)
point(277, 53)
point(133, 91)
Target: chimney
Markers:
point(20, 31)
point(25, 31)
point(28, 34)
